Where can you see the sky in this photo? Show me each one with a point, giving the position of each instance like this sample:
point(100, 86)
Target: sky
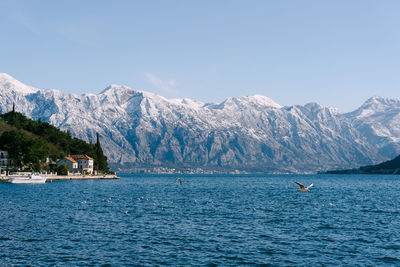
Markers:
point(336, 53)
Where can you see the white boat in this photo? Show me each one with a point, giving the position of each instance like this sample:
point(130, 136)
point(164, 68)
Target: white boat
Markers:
point(33, 178)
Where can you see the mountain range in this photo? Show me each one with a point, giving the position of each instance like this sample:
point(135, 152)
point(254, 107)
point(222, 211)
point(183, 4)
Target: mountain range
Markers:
point(144, 131)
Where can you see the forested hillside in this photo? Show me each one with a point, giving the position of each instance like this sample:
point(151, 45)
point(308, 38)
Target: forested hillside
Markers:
point(30, 142)
point(387, 167)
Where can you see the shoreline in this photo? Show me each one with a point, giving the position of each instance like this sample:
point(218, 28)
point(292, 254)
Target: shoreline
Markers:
point(69, 177)
point(83, 177)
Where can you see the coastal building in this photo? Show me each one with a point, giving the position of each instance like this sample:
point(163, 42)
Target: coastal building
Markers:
point(85, 163)
point(73, 164)
point(78, 163)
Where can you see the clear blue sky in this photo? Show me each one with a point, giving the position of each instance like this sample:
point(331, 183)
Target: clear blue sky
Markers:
point(336, 53)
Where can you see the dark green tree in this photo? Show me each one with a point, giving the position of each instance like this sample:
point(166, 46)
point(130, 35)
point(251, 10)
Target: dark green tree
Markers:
point(36, 153)
point(24, 149)
point(56, 142)
point(100, 160)
point(63, 169)
point(15, 142)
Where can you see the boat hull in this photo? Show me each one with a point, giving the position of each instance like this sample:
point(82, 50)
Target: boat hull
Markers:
point(24, 180)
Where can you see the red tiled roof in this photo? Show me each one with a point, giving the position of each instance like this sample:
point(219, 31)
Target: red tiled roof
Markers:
point(81, 157)
point(70, 159)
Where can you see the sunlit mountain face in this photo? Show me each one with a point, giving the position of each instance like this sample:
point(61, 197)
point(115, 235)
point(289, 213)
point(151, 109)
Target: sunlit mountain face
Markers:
point(252, 133)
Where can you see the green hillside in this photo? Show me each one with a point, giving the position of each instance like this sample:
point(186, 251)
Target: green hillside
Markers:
point(30, 142)
point(387, 167)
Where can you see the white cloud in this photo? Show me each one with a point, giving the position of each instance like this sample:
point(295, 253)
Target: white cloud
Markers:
point(167, 86)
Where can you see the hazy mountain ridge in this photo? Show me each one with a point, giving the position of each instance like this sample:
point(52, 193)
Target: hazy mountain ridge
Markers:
point(253, 133)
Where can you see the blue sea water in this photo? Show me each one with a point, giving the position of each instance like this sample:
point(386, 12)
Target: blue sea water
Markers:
point(208, 220)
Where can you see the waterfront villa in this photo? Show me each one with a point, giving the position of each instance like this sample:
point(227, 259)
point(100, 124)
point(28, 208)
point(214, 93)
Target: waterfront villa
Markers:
point(73, 164)
point(78, 163)
point(85, 163)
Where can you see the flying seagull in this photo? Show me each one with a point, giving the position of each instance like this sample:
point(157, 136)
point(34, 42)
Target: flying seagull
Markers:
point(303, 188)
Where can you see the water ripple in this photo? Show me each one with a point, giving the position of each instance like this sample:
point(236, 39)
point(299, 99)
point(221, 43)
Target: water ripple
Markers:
point(209, 220)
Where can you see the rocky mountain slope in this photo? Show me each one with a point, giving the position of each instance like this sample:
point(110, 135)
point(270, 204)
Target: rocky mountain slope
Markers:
point(253, 133)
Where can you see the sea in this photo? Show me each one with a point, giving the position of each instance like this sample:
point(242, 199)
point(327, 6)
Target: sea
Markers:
point(208, 220)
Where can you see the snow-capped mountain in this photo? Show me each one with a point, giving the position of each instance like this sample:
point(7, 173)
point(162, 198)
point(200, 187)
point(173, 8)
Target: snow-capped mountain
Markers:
point(253, 133)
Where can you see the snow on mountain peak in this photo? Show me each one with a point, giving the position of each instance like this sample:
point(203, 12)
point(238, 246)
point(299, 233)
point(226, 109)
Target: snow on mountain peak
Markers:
point(187, 102)
point(114, 88)
point(376, 104)
point(261, 100)
point(246, 101)
point(381, 101)
point(10, 83)
point(313, 106)
point(145, 129)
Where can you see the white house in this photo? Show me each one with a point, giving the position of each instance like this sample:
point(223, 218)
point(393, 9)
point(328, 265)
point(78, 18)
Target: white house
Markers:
point(81, 163)
point(85, 163)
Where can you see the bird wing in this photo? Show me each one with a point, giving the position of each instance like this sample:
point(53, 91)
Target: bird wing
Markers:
point(311, 185)
point(299, 184)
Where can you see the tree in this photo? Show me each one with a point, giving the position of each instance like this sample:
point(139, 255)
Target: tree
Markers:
point(23, 149)
point(36, 152)
point(100, 160)
point(15, 142)
point(63, 169)
point(57, 143)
